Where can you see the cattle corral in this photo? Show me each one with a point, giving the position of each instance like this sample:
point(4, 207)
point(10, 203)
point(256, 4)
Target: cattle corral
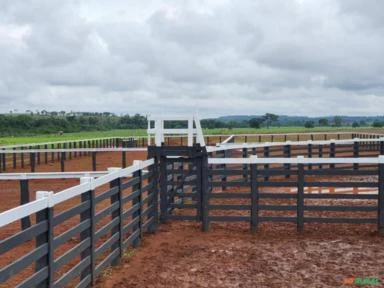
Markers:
point(334, 204)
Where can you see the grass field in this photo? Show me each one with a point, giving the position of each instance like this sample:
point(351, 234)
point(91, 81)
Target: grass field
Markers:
point(142, 132)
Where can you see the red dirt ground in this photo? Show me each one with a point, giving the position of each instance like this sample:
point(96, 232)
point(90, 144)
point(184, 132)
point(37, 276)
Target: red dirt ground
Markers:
point(180, 255)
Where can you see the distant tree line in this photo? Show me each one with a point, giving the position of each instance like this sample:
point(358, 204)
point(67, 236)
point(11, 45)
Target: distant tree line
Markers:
point(32, 124)
point(44, 122)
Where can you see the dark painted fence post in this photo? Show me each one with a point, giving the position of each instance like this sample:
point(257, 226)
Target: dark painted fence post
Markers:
point(163, 191)
point(62, 159)
point(93, 160)
point(14, 158)
point(310, 148)
point(116, 198)
point(332, 153)
point(24, 199)
point(287, 154)
point(22, 158)
point(154, 169)
point(205, 192)
point(381, 146)
point(245, 166)
point(266, 166)
point(38, 154)
point(123, 155)
point(4, 158)
point(380, 215)
point(138, 200)
point(300, 194)
point(88, 214)
point(46, 154)
point(32, 159)
point(254, 197)
point(46, 238)
point(320, 154)
point(356, 150)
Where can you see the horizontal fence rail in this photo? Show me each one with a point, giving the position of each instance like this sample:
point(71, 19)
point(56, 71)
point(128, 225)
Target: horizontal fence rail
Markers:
point(103, 235)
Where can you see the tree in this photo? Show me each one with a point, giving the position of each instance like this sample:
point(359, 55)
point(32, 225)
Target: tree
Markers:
point(338, 121)
point(323, 122)
point(378, 124)
point(270, 119)
point(255, 122)
point(309, 124)
point(355, 124)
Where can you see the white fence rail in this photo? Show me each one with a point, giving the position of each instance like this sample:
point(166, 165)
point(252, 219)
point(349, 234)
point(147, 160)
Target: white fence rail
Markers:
point(51, 199)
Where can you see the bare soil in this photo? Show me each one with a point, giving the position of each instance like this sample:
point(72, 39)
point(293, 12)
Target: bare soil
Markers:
point(180, 255)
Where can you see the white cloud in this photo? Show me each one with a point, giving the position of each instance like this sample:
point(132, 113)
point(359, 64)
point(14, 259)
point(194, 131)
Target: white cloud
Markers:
point(217, 57)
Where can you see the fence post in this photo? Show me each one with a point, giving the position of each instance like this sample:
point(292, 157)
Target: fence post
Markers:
point(381, 146)
point(320, 154)
point(245, 166)
point(205, 191)
point(155, 198)
point(138, 200)
point(93, 160)
point(38, 155)
point(300, 194)
point(163, 190)
point(22, 158)
point(24, 199)
point(116, 214)
point(310, 152)
point(380, 216)
point(46, 238)
point(123, 155)
point(254, 196)
point(356, 150)
point(332, 152)
point(32, 159)
point(62, 159)
point(46, 154)
point(14, 159)
point(89, 233)
point(266, 155)
point(287, 154)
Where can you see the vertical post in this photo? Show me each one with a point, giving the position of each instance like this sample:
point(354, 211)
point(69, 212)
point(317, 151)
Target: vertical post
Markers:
point(46, 238)
point(320, 154)
point(38, 155)
point(310, 152)
point(116, 198)
point(266, 166)
point(88, 214)
point(155, 198)
point(138, 200)
point(300, 194)
point(32, 158)
point(205, 191)
point(22, 158)
point(70, 152)
point(381, 146)
point(332, 152)
point(163, 190)
point(93, 160)
point(123, 155)
point(62, 159)
point(356, 150)
point(75, 147)
point(14, 158)
point(24, 199)
point(52, 153)
point(287, 154)
point(4, 161)
point(46, 154)
point(245, 166)
point(254, 196)
point(380, 216)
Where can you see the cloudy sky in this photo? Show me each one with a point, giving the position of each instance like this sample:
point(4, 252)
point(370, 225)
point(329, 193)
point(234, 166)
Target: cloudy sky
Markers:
point(216, 57)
